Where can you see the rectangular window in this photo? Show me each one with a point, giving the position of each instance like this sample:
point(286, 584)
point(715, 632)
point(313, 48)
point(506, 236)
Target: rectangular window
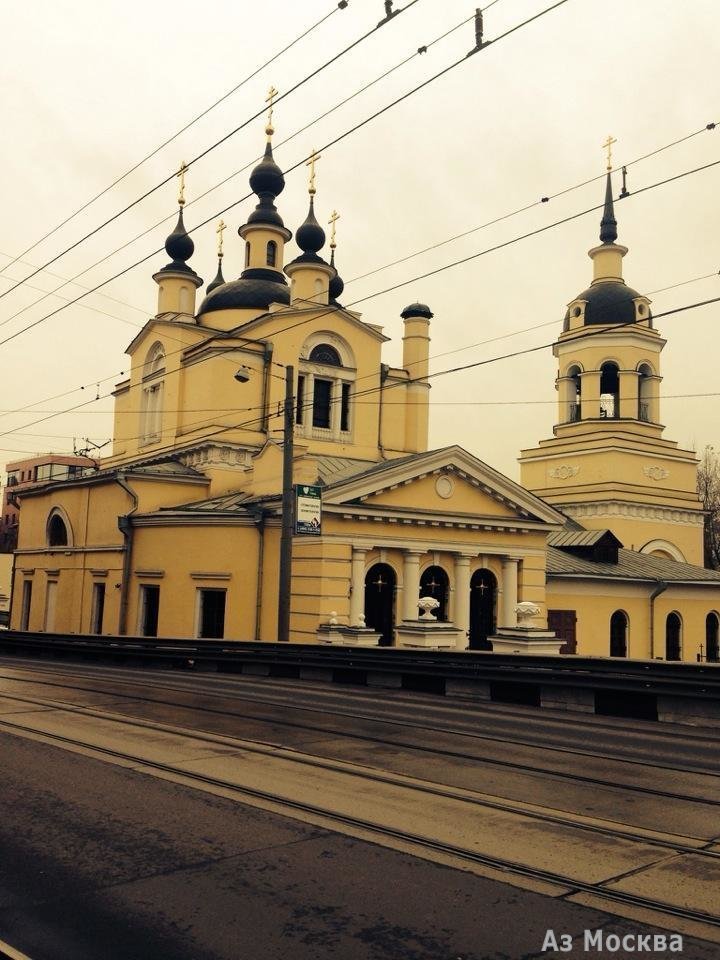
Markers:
point(26, 604)
point(321, 403)
point(98, 608)
point(345, 407)
point(300, 399)
point(149, 610)
point(50, 598)
point(211, 621)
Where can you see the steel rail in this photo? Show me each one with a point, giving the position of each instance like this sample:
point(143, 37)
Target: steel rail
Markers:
point(418, 840)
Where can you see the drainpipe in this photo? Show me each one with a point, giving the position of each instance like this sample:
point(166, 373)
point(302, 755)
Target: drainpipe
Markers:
point(660, 588)
point(384, 371)
point(267, 358)
point(260, 526)
point(126, 529)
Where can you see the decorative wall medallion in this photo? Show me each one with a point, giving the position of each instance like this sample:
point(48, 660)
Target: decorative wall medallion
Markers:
point(656, 473)
point(564, 472)
point(444, 487)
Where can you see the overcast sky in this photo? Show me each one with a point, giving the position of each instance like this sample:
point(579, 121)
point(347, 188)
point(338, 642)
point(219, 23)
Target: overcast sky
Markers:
point(91, 88)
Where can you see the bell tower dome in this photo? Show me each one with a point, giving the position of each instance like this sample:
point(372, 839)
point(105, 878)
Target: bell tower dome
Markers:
point(608, 464)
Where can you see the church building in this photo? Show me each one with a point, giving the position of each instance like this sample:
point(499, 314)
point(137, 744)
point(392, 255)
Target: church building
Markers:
point(178, 533)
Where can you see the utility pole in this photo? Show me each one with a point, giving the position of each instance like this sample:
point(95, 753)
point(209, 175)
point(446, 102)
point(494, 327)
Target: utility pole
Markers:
point(288, 510)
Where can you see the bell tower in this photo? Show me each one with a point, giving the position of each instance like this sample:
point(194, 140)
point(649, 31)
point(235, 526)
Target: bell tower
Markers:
point(608, 464)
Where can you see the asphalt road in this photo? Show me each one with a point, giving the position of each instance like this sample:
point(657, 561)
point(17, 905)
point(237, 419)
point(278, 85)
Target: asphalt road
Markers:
point(98, 862)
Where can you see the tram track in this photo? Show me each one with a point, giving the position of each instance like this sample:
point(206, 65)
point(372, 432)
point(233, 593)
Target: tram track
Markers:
point(436, 751)
point(663, 850)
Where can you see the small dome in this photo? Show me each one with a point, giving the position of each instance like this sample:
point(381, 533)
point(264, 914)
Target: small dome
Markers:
point(267, 177)
point(608, 302)
point(179, 245)
point(417, 310)
point(219, 279)
point(335, 287)
point(310, 236)
point(246, 293)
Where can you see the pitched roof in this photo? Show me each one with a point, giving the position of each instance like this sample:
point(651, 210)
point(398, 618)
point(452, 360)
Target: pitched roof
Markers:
point(579, 538)
point(631, 565)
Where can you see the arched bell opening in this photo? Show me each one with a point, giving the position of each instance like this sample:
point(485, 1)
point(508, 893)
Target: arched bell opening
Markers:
point(609, 391)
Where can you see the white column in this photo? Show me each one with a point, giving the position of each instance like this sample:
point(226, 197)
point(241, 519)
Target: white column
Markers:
point(461, 616)
point(510, 591)
point(411, 584)
point(357, 586)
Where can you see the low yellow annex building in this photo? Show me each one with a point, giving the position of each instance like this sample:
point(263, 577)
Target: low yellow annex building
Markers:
point(177, 534)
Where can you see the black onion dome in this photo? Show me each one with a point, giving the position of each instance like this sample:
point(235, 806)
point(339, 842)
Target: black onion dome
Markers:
point(267, 177)
point(417, 310)
point(610, 301)
point(267, 181)
point(336, 287)
point(246, 293)
point(310, 236)
point(179, 247)
point(219, 278)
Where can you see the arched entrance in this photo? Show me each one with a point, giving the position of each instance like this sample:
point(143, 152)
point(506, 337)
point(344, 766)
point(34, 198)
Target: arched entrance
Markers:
point(673, 628)
point(435, 583)
point(483, 594)
point(618, 634)
point(712, 639)
point(380, 583)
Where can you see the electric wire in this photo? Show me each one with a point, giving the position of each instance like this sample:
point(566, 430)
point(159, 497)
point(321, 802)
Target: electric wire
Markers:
point(322, 310)
point(247, 166)
point(169, 140)
point(300, 163)
point(214, 146)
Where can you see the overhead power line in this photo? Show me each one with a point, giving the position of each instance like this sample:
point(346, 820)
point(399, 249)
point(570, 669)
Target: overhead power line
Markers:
point(329, 310)
point(214, 146)
point(196, 199)
point(299, 163)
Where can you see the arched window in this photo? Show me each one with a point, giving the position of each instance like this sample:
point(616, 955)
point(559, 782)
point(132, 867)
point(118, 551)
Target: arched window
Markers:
point(673, 632)
point(324, 389)
point(618, 634)
point(57, 530)
point(247, 253)
point(645, 382)
point(483, 603)
point(712, 638)
point(324, 353)
point(271, 253)
point(152, 395)
point(434, 583)
point(609, 390)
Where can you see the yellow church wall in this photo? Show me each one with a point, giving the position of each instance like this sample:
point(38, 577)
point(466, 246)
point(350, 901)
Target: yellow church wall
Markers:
point(321, 580)
point(213, 557)
point(594, 603)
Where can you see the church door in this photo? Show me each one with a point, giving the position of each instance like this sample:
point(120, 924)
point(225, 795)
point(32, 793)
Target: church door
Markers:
point(483, 592)
point(434, 583)
point(380, 582)
point(563, 622)
point(712, 638)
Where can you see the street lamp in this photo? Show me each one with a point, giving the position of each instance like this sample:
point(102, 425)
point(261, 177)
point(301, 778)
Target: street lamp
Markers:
point(286, 530)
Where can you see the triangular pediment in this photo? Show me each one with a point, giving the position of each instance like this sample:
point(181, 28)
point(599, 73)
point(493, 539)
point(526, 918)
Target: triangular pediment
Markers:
point(449, 481)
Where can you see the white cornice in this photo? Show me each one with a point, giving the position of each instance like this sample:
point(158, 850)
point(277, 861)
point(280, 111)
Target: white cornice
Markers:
point(614, 508)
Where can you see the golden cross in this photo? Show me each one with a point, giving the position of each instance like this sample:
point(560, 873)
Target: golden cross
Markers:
point(272, 93)
point(221, 227)
point(311, 163)
point(181, 175)
point(608, 146)
point(334, 217)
